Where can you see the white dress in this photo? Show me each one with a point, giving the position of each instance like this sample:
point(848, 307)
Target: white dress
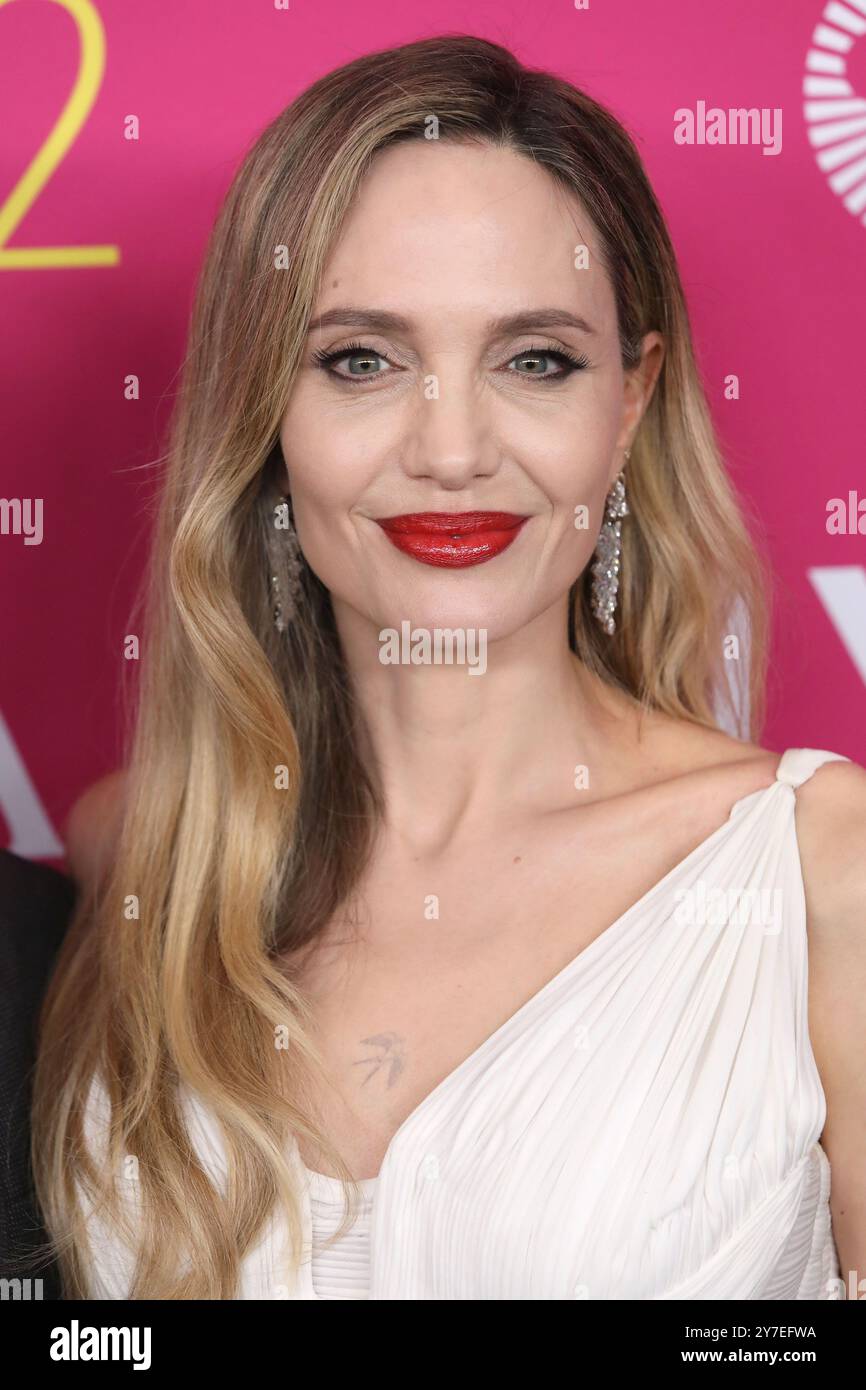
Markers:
point(646, 1126)
point(339, 1268)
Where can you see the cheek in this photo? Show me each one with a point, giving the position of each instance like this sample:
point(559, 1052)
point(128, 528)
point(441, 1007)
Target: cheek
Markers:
point(567, 455)
point(327, 473)
point(324, 468)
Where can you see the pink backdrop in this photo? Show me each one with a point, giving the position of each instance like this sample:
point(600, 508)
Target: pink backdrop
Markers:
point(772, 250)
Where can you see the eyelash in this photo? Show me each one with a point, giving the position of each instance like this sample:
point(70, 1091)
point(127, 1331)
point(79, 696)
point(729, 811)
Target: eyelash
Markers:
point(572, 362)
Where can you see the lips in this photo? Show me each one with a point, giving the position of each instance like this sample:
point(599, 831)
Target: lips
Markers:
point(452, 539)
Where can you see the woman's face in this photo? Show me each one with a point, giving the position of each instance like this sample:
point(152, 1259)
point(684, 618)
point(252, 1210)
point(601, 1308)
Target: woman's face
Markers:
point(459, 361)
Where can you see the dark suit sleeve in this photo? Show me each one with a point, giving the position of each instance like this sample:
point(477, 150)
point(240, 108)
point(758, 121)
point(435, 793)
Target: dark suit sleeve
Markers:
point(36, 903)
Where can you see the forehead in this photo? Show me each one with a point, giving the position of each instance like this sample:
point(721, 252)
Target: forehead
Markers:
point(436, 224)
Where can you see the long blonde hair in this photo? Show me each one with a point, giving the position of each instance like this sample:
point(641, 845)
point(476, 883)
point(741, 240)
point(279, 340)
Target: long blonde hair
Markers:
point(173, 972)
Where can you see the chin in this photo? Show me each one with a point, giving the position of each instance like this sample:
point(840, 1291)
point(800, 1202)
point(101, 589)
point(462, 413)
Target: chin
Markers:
point(498, 619)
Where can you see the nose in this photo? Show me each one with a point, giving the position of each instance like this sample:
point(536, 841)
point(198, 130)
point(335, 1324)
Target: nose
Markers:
point(450, 438)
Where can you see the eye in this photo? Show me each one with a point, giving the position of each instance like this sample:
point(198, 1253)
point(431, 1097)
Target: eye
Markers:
point(360, 362)
point(354, 363)
point(536, 362)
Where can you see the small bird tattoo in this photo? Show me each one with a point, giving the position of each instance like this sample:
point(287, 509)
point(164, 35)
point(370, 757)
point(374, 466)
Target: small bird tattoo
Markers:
point(390, 1054)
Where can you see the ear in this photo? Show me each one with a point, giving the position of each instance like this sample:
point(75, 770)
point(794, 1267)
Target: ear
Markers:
point(638, 387)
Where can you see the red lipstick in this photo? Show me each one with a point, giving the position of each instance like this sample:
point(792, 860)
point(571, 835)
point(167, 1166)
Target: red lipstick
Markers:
point(452, 539)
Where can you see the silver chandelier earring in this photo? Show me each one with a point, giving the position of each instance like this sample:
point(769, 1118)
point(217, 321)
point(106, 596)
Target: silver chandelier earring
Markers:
point(285, 561)
point(608, 551)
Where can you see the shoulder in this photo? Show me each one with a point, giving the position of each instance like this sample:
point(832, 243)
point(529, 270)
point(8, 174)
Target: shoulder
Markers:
point(27, 887)
point(719, 767)
point(831, 833)
point(92, 825)
point(831, 838)
point(36, 903)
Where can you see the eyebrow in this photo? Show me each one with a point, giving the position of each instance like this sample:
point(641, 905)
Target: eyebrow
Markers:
point(383, 321)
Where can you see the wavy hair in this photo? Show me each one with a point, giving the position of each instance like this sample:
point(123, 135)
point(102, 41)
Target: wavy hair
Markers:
point(251, 801)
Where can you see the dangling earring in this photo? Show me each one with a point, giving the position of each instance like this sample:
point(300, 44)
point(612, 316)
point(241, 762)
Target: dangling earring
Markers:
point(285, 562)
point(608, 550)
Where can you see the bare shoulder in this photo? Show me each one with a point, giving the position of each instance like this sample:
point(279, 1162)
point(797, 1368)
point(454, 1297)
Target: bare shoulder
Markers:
point(831, 832)
point(831, 825)
point(682, 748)
point(92, 825)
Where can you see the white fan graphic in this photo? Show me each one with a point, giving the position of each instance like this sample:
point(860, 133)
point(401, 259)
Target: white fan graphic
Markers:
point(835, 115)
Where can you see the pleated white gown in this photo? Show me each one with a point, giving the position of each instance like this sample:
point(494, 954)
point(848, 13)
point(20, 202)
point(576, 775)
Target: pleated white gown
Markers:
point(646, 1126)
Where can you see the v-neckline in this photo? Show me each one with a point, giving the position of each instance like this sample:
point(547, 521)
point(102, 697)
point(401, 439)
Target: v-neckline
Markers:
point(571, 966)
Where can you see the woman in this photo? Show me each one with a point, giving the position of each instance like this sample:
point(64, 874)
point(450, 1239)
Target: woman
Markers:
point(437, 930)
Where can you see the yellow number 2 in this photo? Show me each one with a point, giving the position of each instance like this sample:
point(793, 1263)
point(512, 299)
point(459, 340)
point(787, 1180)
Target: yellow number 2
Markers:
point(91, 37)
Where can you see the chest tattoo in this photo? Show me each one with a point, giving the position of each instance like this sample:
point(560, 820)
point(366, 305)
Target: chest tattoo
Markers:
point(386, 1059)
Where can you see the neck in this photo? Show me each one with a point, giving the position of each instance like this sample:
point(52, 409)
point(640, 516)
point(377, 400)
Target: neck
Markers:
point(455, 751)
